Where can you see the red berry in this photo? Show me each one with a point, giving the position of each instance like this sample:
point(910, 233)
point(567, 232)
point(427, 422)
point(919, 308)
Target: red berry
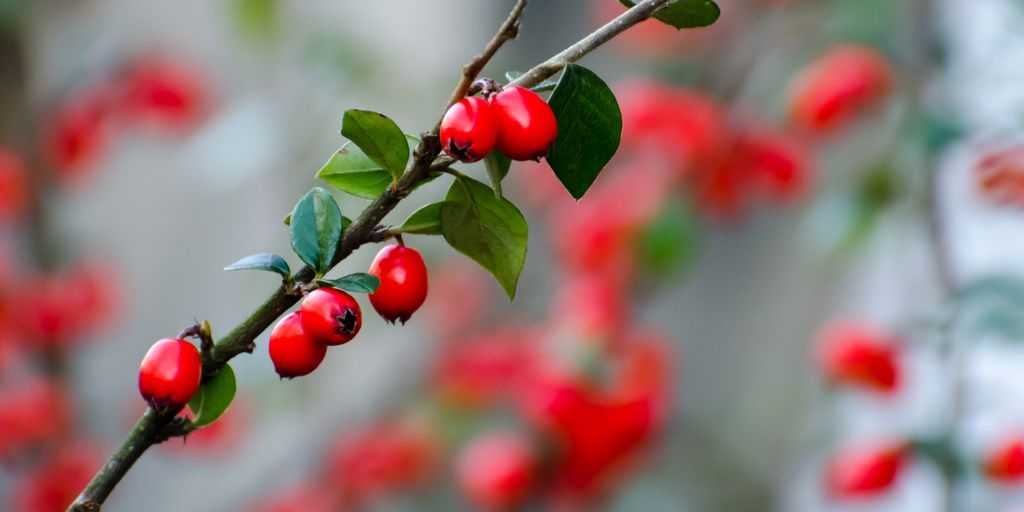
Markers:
point(526, 124)
point(170, 374)
point(331, 316)
point(469, 129)
point(864, 471)
point(162, 93)
point(838, 86)
point(1006, 462)
point(852, 354)
point(496, 471)
point(293, 352)
point(403, 282)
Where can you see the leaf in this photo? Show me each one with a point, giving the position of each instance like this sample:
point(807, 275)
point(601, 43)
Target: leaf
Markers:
point(213, 397)
point(425, 221)
point(257, 19)
point(379, 138)
point(685, 13)
point(994, 305)
point(497, 166)
point(488, 229)
point(589, 128)
point(360, 282)
point(263, 261)
point(351, 171)
point(544, 86)
point(669, 241)
point(316, 229)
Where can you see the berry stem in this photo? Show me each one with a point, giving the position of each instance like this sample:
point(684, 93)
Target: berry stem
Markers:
point(153, 428)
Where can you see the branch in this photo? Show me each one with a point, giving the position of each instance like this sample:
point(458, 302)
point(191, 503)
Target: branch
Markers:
point(153, 428)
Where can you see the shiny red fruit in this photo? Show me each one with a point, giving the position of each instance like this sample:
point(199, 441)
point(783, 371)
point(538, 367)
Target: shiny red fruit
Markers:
point(170, 374)
point(293, 352)
point(526, 125)
point(852, 354)
point(1006, 462)
point(864, 471)
point(403, 282)
point(331, 316)
point(496, 471)
point(469, 129)
point(838, 86)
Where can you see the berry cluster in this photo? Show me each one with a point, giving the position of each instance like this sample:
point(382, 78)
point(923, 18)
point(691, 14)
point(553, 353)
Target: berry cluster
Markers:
point(517, 121)
point(172, 369)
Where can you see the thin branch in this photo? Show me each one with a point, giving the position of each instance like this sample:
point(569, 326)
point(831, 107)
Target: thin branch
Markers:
point(640, 12)
point(508, 31)
point(153, 428)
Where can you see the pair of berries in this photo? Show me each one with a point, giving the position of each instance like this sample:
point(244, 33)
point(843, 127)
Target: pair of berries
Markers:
point(329, 317)
point(516, 120)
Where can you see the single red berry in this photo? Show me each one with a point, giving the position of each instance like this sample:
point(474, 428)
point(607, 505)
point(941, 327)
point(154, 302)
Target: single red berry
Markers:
point(526, 125)
point(864, 471)
point(14, 192)
point(170, 374)
point(852, 354)
point(294, 352)
point(331, 316)
point(1006, 462)
point(403, 282)
point(469, 129)
point(495, 471)
point(838, 86)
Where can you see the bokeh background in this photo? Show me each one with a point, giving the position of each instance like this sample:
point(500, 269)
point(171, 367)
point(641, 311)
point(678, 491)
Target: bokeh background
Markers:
point(796, 288)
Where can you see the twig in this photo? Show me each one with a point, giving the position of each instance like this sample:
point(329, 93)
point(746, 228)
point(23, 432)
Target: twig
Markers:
point(153, 428)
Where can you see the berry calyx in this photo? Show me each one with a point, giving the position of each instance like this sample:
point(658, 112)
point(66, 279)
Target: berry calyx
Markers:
point(331, 316)
point(293, 352)
point(403, 282)
point(496, 471)
point(526, 124)
point(170, 374)
point(469, 129)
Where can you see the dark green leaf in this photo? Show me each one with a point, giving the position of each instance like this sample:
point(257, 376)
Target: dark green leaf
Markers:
point(994, 306)
point(685, 13)
point(487, 228)
point(356, 283)
point(379, 137)
point(497, 166)
point(351, 171)
point(589, 128)
point(425, 221)
point(316, 229)
point(263, 261)
point(213, 397)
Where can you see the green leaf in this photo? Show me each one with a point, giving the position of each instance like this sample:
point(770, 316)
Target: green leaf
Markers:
point(316, 229)
point(497, 166)
point(425, 221)
point(685, 13)
point(379, 138)
point(360, 282)
point(487, 228)
point(263, 261)
point(213, 397)
point(669, 241)
point(545, 86)
point(589, 128)
point(993, 305)
point(351, 171)
point(257, 18)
